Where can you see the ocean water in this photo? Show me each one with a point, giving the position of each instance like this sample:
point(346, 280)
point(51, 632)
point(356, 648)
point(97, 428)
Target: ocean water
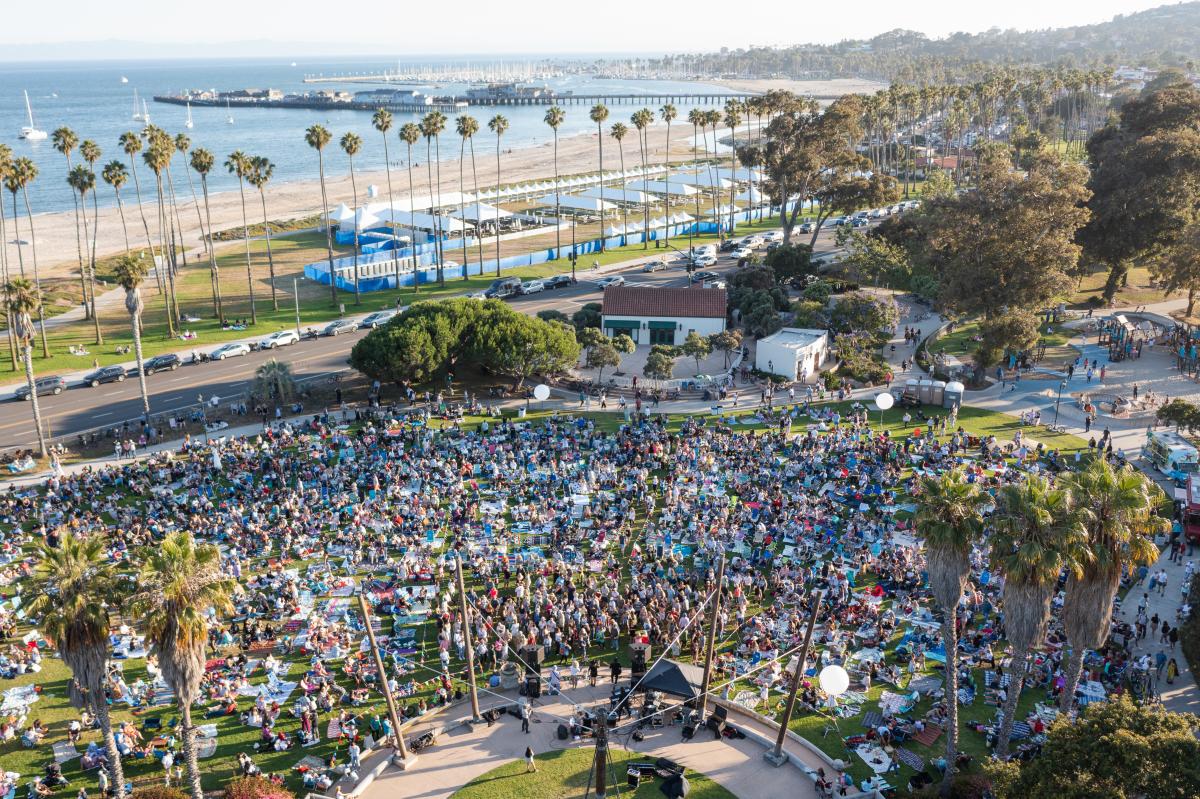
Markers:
point(91, 99)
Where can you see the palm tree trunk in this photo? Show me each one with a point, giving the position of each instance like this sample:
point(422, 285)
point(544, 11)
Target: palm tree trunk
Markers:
point(121, 210)
point(733, 175)
point(12, 341)
point(461, 158)
point(177, 221)
point(1066, 702)
point(92, 258)
point(199, 220)
point(497, 201)
point(437, 146)
point(624, 196)
point(412, 226)
point(475, 188)
point(645, 189)
point(37, 278)
point(246, 239)
point(1017, 679)
point(667, 193)
point(218, 306)
point(558, 207)
point(354, 196)
point(429, 175)
point(328, 229)
point(137, 186)
point(271, 258)
point(189, 751)
point(600, 144)
point(135, 321)
point(162, 246)
point(79, 245)
point(950, 639)
point(116, 769)
point(95, 318)
point(33, 398)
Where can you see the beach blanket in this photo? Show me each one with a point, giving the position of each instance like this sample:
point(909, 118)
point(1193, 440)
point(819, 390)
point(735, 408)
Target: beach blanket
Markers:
point(18, 700)
point(310, 763)
point(873, 718)
point(747, 699)
point(874, 757)
point(910, 759)
point(1019, 730)
point(64, 751)
point(334, 730)
point(894, 703)
point(929, 735)
point(925, 685)
point(206, 747)
point(207, 731)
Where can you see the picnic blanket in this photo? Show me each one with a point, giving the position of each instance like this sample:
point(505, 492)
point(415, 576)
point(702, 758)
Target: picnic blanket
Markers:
point(874, 757)
point(925, 685)
point(64, 751)
point(910, 759)
point(929, 735)
point(873, 718)
point(17, 700)
point(1019, 730)
point(310, 763)
point(206, 747)
point(894, 703)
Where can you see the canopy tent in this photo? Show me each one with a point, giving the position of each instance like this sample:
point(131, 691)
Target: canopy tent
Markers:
point(342, 214)
point(753, 197)
point(615, 230)
point(423, 221)
point(741, 174)
point(482, 212)
point(723, 209)
point(662, 187)
point(617, 194)
point(702, 180)
point(575, 203)
point(674, 678)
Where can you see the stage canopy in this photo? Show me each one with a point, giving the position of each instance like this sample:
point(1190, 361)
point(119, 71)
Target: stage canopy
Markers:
point(675, 679)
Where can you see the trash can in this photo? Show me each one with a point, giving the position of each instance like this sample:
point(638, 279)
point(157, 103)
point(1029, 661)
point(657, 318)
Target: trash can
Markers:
point(953, 395)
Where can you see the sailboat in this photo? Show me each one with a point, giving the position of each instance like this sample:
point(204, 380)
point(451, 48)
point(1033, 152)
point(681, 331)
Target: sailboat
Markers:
point(30, 131)
point(145, 113)
point(228, 113)
point(189, 124)
point(137, 108)
point(124, 79)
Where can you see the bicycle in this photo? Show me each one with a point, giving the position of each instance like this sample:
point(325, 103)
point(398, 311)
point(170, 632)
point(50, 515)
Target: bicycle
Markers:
point(1057, 428)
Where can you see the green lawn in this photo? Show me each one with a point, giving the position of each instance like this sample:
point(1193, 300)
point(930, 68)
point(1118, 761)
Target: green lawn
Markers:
point(564, 773)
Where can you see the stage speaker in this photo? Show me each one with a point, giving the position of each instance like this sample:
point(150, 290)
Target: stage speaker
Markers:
point(563, 732)
point(533, 656)
point(721, 713)
point(533, 686)
point(689, 731)
point(716, 725)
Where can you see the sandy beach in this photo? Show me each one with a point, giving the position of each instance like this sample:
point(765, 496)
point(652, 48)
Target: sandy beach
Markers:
point(817, 88)
point(55, 233)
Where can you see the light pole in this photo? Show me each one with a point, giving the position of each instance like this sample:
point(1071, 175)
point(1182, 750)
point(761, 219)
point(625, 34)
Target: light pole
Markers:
point(296, 300)
point(1058, 401)
point(712, 637)
point(401, 750)
point(776, 756)
point(462, 599)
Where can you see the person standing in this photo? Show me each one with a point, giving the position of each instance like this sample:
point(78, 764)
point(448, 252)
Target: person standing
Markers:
point(168, 760)
point(525, 712)
point(529, 764)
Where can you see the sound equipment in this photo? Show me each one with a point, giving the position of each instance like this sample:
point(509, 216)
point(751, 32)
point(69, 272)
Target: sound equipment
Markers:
point(689, 731)
point(533, 686)
point(638, 736)
point(635, 778)
point(562, 732)
point(716, 725)
point(533, 656)
point(639, 653)
point(721, 712)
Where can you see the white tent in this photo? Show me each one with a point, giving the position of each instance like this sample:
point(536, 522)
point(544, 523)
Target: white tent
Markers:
point(343, 213)
point(577, 203)
point(741, 174)
point(617, 194)
point(701, 179)
point(482, 212)
point(422, 221)
point(753, 197)
point(615, 230)
point(662, 187)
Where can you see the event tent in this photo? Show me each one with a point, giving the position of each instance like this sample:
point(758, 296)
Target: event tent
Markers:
point(482, 212)
point(575, 203)
point(662, 187)
point(674, 678)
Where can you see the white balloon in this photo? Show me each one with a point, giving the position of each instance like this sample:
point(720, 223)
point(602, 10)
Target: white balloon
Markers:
point(884, 401)
point(541, 392)
point(834, 680)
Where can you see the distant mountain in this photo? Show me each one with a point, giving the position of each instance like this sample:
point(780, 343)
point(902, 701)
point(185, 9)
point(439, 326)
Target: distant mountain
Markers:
point(1163, 36)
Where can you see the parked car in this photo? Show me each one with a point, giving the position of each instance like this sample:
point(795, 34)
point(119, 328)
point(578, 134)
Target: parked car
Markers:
point(280, 338)
point(773, 235)
point(557, 282)
point(231, 350)
point(533, 287)
point(654, 266)
point(752, 241)
point(378, 319)
point(503, 287)
point(715, 284)
point(338, 326)
point(743, 252)
point(105, 374)
point(44, 385)
point(729, 245)
point(704, 260)
point(162, 363)
point(612, 280)
point(859, 222)
point(700, 277)
point(805, 227)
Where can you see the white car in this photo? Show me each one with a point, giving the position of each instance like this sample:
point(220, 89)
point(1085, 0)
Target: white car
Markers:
point(654, 266)
point(615, 280)
point(752, 241)
point(229, 351)
point(533, 287)
point(774, 235)
point(279, 339)
point(378, 319)
point(705, 261)
point(742, 252)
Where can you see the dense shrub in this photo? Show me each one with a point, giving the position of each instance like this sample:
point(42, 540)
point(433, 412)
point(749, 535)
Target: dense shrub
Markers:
point(255, 788)
point(158, 792)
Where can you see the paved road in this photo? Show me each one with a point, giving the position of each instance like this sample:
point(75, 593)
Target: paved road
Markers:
point(83, 408)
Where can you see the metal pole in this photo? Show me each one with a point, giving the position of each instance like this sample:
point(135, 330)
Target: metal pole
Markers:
point(462, 605)
point(1058, 402)
point(296, 297)
point(601, 755)
point(383, 681)
point(776, 756)
point(712, 638)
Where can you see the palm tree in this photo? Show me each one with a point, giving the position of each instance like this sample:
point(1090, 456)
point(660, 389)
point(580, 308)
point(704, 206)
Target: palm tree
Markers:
point(713, 118)
point(696, 117)
point(467, 126)
point(130, 272)
point(65, 141)
point(273, 382)
point(641, 120)
point(432, 125)
point(599, 115)
point(117, 176)
point(1119, 513)
point(410, 134)
point(90, 151)
point(317, 136)
point(618, 131)
point(1037, 533)
point(351, 144)
point(261, 170)
point(6, 165)
point(22, 173)
point(733, 118)
point(497, 125)
point(238, 163)
point(950, 520)
point(74, 585)
point(83, 180)
point(131, 145)
point(156, 158)
point(668, 113)
point(22, 301)
point(554, 117)
point(203, 162)
point(183, 145)
point(382, 120)
point(179, 582)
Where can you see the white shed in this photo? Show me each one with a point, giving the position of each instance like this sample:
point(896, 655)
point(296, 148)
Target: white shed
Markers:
point(794, 353)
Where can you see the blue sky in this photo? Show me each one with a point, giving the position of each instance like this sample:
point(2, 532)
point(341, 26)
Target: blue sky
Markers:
point(494, 26)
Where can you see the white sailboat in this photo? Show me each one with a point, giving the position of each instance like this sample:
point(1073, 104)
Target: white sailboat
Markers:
point(124, 79)
point(137, 108)
point(30, 131)
point(189, 124)
point(228, 113)
point(145, 113)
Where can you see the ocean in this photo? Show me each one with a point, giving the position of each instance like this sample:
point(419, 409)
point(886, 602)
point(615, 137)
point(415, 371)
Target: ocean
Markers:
point(91, 99)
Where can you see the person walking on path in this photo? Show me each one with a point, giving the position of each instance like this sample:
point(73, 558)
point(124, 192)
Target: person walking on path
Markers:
point(525, 713)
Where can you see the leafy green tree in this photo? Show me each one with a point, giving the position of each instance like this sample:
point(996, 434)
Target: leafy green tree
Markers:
point(623, 344)
point(1177, 266)
point(728, 341)
point(600, 355)
point(860, 312)
point(660, 363)
point(696, 347)
point(810, 314)
point(877, 259)
point(845, 187)
point(1181, 413)
point(1016, 330)
point(587, 316)
point(1114, 749)
point(553, 315)
point(512, 344)
point(790, 261)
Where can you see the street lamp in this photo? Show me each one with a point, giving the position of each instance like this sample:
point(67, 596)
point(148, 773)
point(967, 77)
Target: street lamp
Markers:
point(1057, 402)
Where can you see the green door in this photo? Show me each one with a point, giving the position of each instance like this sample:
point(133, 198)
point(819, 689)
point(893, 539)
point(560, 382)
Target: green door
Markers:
point(660, 336)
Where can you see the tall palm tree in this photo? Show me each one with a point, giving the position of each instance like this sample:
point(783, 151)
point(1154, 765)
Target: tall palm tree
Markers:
point(1037, 534)
point(90, 151)
point(696, 117)
point(733, 118)
point(554, 118)
point(432, 125)
point(238, 163)
point(83, 180)
point(382, 121)
point(6, 165)
point(75, 584)
point(179, 582)
point(130, 272)
point(351, 144)
point(1119, 512)
point(131, 145)
point(65, 141)
point(23, 300)
point(467, 126)
point(641, 120)
point(261, 171)
point(599, 115)
point(156, 157)
point(950, 520)
point(497, 125)
point(410, 134)
point(618, 131)
point(22, 173)
point(115, 175)
point(317, 137)
point(203, 162)
point(668, 113)
point(183, 144)
point(713, 117)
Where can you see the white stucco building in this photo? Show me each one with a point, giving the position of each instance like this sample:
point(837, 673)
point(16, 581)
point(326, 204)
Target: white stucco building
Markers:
point(662, 315)
point(794, 353)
